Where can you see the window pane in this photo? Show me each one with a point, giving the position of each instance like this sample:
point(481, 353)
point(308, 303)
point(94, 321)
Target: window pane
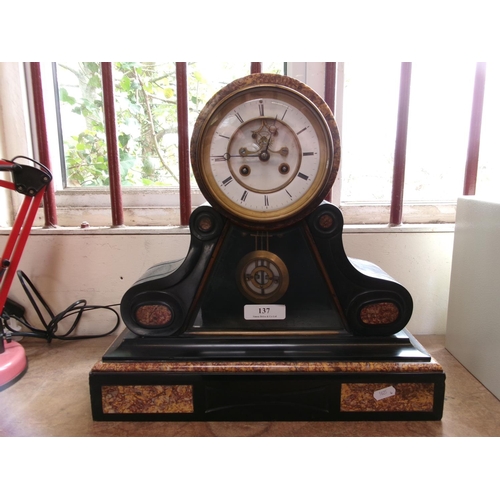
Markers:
point(146, 116)
point(438, 130)
point(368, 130)
point(488, 177)
point(80, 100)
point(146, 122)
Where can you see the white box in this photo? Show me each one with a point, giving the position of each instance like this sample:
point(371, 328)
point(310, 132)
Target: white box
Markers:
point(473, 326)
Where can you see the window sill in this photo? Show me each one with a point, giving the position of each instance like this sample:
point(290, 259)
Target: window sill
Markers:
point(424, 218)
point(182, 230)
point(431, 213)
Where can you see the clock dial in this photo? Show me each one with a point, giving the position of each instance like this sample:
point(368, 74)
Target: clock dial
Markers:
point(264, 153)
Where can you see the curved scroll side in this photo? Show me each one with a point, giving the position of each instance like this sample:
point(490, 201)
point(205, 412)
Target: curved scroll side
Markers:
point(374, 304)
point(158, 303)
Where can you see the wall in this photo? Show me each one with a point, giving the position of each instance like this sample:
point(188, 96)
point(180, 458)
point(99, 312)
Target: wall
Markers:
point(13, 129)
point(101, 267)
point(420, 261)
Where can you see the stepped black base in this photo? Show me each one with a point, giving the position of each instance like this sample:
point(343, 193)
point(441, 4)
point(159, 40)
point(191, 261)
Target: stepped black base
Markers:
point(334, 378)
point(337, 347)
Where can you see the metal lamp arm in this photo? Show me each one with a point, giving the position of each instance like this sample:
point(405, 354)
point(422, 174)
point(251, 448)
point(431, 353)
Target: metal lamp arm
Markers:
point(32, 182)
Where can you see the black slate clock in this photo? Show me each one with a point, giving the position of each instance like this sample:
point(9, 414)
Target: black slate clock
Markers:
point(266, 264)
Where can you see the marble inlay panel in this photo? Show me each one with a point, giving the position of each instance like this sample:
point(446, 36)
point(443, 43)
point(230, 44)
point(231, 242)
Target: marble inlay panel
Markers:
point(147, 399)
point(407, 397)
point(270, 366)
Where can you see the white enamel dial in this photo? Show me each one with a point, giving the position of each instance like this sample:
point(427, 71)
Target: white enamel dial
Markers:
point(265, 154)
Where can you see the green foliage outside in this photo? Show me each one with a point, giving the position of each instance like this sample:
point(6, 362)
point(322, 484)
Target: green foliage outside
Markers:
point(146, 117)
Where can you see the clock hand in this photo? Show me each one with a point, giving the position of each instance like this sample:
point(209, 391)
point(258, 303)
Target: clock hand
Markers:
point(227, 156)
point(264, 155)
point(274, 130)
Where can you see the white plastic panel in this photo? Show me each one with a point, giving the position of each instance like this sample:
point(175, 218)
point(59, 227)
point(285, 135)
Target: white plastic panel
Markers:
point(473, 327)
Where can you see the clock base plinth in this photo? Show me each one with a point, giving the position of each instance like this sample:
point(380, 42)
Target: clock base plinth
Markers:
point(403, 387)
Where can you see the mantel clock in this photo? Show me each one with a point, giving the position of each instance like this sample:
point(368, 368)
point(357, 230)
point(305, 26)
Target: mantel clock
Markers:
point(266, 318)
point(266, 258)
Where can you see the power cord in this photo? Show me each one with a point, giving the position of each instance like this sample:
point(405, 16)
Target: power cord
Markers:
point(50, 328)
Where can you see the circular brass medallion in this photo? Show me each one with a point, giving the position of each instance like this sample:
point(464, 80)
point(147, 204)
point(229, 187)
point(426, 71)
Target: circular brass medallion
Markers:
point(262, 277)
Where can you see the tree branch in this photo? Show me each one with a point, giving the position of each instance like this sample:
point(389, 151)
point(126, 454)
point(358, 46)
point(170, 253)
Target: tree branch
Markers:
point(152, 129)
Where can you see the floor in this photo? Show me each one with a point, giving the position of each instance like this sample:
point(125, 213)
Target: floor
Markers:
point(52, 399)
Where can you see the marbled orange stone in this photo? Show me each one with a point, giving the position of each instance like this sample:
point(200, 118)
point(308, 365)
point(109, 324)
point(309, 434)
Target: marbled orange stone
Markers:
point(147, 399)
point(153, 315)
point(381, 313)
point(269, 367)
point(408, 397)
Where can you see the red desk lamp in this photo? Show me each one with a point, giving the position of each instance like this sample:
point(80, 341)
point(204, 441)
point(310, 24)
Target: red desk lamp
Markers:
point(31, 181)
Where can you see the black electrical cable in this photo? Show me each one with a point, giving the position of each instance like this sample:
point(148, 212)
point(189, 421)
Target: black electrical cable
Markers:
point(49, 330)
point(42, 167)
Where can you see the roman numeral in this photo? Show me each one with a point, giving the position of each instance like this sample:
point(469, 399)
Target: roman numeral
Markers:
point(286, 191)
point(283, 117)
point(300, 131)
point(239, 117)
point(224, 136)
point(261, 108)
point(266, 200)
point(309, 153)
point(303, 176)
point(225, 182)
point(244, 196)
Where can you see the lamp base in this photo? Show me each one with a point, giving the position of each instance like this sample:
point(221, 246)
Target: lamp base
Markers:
point(13, 364)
